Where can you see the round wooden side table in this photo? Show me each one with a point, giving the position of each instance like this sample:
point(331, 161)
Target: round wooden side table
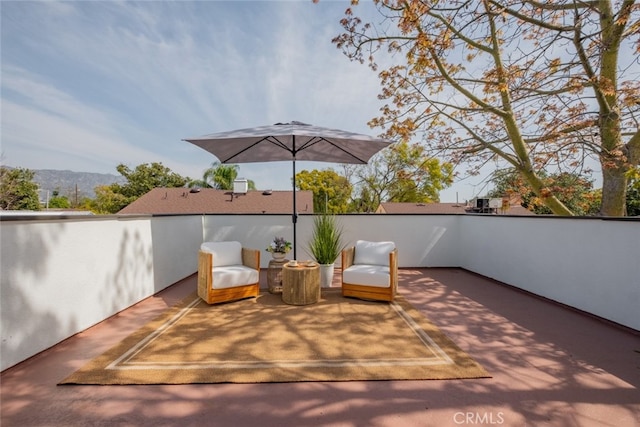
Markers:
point(274, 275)
point(300, 284)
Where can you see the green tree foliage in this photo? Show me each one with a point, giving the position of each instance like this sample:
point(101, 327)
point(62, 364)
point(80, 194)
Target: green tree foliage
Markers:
point(633, 193)
point(220, 177)
point(18, 191)
point(87, 203)
point(537, 84)
point(107, 201)
point(574, 191)
point(114, 197)
point(146, 177)
point(331, 191)
point(401, 173)
point(59, 202)
point(364, 201)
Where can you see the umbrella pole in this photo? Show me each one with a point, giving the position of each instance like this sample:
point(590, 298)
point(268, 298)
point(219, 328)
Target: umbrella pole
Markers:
point(294, 217)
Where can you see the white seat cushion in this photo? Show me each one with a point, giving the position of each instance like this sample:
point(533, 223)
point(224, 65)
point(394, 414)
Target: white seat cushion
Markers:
point(224, 253)
point(368, 275)
point(373, 253)
point(231, 276)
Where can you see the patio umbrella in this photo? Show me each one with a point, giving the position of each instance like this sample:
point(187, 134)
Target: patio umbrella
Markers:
point(290, 141)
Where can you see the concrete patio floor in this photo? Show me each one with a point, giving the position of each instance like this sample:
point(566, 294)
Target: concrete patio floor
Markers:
point(550, 366)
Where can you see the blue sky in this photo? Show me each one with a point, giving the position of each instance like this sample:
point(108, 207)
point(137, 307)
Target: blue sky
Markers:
point(88, 85)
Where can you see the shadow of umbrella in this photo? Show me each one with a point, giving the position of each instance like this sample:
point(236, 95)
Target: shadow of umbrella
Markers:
point(290, 141)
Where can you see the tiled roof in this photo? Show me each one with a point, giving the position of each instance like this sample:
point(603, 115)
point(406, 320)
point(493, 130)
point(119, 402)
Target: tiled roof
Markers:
point(209, 201)
point(441, 208)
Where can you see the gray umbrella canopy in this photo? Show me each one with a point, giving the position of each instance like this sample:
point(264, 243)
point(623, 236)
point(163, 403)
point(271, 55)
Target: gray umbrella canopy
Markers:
point(290, 142)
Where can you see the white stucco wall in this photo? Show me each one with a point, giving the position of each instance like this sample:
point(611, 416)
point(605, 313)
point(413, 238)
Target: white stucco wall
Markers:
point(588, 263)
point(61, 276)
point(423, 241)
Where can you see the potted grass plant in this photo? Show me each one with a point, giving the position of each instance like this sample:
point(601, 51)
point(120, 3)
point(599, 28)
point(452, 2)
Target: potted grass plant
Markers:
point(325, 245)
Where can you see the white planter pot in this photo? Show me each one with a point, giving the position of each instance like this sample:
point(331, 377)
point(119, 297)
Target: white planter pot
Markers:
point(278, 256)
point(326, 275)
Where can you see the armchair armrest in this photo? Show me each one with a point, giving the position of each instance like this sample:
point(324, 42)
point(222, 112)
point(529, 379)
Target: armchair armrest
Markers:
point(347, 257)
point(393, 270)
point(251, 258)
point(205, 274)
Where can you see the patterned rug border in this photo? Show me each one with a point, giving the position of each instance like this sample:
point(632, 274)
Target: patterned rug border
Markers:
point(115, 367)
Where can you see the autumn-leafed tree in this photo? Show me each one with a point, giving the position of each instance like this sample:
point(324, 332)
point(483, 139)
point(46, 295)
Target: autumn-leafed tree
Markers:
point(542, 85)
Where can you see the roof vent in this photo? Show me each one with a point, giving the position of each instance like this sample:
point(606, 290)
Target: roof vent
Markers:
point(195, 190)
point(266, 192)
point(240, 186)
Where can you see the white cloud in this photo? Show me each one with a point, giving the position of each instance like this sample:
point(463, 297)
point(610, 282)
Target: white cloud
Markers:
point(88, 85)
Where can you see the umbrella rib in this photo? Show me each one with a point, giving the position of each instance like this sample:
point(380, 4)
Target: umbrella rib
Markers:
point(272, 139)
point(317, 139)
point(275, 141)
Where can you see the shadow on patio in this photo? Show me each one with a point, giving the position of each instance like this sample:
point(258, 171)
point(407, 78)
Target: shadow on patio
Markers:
point(550, 366)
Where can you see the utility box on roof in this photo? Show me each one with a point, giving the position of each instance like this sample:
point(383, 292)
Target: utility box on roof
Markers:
point(240, 186)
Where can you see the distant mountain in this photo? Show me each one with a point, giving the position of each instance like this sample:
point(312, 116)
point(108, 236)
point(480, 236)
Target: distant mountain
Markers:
point(72, 184)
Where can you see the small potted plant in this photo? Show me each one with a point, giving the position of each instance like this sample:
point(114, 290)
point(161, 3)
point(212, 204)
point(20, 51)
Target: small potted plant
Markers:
point(279, 248)
point(325, 245)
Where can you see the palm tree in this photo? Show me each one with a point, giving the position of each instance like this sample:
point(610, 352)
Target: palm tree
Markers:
point(220, 177)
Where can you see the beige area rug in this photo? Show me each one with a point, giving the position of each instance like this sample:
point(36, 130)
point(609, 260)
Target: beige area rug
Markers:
point(264, 340)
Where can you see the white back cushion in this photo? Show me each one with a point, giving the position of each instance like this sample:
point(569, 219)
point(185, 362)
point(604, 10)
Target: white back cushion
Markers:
point(224, 253)
point(373, 253)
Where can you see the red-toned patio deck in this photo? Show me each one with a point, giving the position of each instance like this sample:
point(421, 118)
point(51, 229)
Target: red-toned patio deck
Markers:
point(550, 366)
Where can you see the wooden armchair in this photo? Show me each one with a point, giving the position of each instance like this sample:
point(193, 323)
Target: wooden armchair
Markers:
point(227, 272)
point(370, 270)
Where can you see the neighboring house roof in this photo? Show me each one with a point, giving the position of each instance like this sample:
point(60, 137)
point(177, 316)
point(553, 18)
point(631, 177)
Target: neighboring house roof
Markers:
point(433, 208)
point(443, 208)
point(210, 201)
